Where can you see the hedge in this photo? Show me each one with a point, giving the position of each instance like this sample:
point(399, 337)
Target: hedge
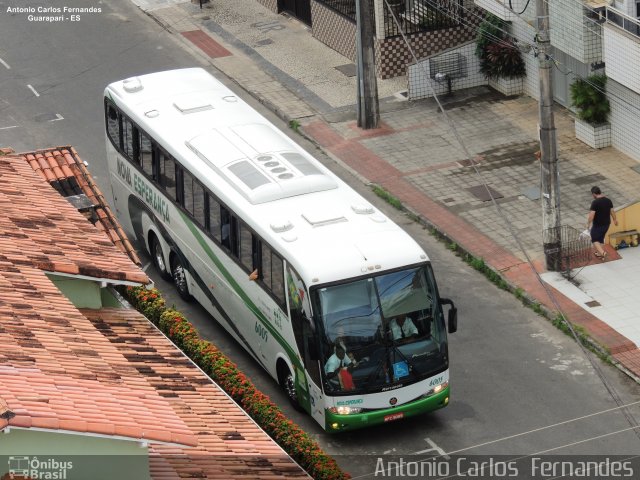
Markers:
point(226, 374)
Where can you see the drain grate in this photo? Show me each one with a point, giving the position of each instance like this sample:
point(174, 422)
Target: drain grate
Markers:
point(593, 303)
point(481, 193)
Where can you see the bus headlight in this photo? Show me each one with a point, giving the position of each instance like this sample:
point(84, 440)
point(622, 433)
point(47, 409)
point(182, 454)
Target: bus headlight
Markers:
point(436, 389)
point(345, 410)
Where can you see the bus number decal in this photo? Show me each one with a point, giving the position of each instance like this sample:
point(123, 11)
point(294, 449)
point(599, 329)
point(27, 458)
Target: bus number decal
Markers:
point(436, 381)
point(154, 200)
point(261, 331)
point(277, 318)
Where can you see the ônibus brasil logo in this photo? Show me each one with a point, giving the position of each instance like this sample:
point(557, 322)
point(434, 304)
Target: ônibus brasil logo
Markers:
point(38, 469)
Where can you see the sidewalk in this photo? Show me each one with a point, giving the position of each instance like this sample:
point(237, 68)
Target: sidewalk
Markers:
point(415, 156)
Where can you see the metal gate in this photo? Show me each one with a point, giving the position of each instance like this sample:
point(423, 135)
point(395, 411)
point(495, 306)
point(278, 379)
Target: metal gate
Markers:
point(566, 248)
point(301, 9)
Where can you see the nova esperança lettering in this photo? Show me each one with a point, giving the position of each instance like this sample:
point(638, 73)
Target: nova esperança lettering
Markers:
point(145, 192)
point(151, 198)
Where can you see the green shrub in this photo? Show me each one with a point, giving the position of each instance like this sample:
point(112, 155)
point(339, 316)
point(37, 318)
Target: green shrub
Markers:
point(498, 54)
point(295, 441)
point(588, 95)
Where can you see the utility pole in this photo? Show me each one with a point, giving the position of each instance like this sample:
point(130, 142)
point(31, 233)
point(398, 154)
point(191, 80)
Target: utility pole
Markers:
point(367, 100)
point(548, 145)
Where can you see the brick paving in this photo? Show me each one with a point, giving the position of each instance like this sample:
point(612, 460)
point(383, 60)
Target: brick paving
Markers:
point(416, 157)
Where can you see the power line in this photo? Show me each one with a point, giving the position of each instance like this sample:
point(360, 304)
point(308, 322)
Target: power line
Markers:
point(596, 368)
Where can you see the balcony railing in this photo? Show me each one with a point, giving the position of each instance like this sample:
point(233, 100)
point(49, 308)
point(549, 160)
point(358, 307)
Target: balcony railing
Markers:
point(622, 20)
point(411, 16)
point(414, 16)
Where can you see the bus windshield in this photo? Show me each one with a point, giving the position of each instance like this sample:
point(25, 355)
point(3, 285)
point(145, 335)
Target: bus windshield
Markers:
point(381, 331)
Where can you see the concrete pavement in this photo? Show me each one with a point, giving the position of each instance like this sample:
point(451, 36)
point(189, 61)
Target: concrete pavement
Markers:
point(415, 156)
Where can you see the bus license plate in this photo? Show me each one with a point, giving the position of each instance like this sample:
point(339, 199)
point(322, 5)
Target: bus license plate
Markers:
point(393, 416)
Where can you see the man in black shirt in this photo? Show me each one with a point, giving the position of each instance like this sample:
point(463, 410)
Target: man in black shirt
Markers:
point(600, 215)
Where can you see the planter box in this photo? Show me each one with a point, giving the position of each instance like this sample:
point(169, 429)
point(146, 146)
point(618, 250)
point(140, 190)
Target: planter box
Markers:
point(595, 136)
point(508, 86)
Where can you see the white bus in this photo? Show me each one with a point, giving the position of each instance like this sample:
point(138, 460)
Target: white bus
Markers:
point(308, 276)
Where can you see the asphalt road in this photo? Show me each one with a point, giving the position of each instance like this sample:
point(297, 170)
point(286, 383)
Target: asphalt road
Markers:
point(519, 386)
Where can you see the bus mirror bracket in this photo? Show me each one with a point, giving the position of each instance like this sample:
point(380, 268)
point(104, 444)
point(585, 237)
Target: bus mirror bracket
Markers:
point(452, 317)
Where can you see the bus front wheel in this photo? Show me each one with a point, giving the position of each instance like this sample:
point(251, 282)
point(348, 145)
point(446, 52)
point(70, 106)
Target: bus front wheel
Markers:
point(180, 278)
point(288, 384)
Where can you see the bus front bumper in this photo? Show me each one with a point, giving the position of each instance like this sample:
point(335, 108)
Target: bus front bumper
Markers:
point(340, 423)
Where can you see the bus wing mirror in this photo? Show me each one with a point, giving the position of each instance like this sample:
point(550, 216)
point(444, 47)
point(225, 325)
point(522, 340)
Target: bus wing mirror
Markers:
point(452, 317)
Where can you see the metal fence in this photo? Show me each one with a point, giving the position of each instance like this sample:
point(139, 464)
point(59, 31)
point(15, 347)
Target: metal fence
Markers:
point(414, 16)
point(344, 7)
point(410, 16)
point(566, 248)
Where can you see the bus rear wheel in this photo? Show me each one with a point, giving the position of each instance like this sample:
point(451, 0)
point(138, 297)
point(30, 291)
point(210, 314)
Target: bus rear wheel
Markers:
point(288, 384)
point(179, 276)
point(157, 256)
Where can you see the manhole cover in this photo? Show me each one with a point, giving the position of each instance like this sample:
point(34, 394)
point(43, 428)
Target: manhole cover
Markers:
point(348, 70)
point(484, 193)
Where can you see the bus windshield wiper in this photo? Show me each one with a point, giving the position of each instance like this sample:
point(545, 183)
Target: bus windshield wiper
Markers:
point(409, 362)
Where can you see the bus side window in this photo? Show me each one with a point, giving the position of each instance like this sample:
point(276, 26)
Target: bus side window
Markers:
point(265, 273)
point(167, 174)
point(271, 274)
point(246, 248)
point(214, 218)
point(146, 157)
point(199, 212)
point(113, 125)
point(128, 142)
point(277, 278)
point(187, 195)
point(229, 231)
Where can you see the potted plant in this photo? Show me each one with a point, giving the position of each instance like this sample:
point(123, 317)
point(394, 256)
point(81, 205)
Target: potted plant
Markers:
point(589, 97)
point(500, 58)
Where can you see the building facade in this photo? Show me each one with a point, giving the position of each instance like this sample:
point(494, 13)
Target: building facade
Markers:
point(587, 37)
point(429, 26)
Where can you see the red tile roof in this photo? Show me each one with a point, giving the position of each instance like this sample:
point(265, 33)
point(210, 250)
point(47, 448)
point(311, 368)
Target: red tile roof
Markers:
point(40, 228)
point(111, 372)
point(65, 171)
point(229, 442)
point(107, 371)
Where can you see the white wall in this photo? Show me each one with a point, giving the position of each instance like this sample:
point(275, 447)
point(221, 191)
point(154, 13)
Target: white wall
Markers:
point(421, 85)
point(624, 119)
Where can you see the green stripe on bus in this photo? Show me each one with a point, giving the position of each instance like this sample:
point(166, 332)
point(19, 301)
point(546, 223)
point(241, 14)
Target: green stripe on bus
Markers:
point(241, 293)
